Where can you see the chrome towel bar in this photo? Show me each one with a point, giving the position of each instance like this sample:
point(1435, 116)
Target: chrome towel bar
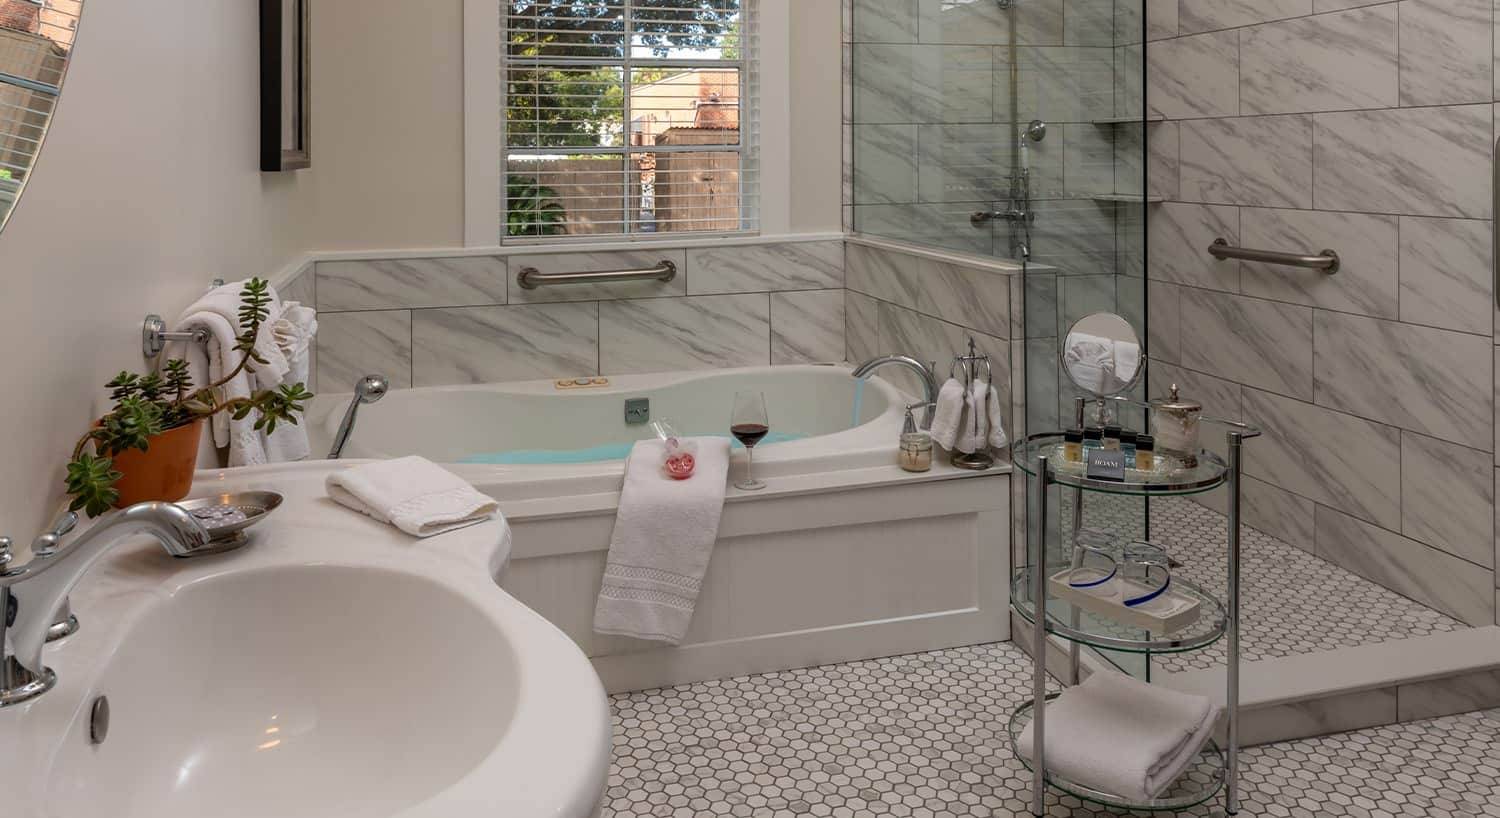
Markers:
point(1327, 260)
point(530, 277)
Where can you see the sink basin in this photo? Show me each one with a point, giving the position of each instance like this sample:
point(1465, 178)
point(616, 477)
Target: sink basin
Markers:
point(296, 692)
point(336, 668)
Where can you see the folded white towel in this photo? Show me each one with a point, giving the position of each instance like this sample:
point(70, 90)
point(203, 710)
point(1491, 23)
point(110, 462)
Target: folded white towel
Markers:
point(413, 494)
point(663, 538)
point(998, 438)
point(1122, 735)
point(948, 414)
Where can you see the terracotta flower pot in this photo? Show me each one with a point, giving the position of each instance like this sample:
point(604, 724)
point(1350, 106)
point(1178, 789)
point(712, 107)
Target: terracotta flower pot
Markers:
point(164, 471)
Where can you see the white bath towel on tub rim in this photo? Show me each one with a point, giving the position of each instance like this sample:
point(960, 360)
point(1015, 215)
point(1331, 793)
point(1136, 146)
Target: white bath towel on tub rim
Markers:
point(664, 535)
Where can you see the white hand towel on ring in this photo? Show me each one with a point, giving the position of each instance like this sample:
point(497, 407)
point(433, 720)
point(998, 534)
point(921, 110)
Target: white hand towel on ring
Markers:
point(948, 414)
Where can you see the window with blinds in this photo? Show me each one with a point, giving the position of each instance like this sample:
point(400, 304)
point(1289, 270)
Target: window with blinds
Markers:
point(629, 117)
point(36, 38)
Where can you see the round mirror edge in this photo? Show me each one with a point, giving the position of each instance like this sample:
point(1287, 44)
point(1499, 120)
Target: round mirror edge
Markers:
point(1135, 338)
point(7, 211)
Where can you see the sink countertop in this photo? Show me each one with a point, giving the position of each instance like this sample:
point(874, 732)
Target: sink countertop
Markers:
point(553, 757)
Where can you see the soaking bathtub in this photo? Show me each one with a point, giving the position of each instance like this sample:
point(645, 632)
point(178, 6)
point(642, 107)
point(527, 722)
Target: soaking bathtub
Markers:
point(821, 419)
point(843, 556)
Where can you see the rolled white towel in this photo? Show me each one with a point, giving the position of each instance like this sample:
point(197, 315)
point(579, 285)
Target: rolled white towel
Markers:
point(413, 494)
point(948, 414)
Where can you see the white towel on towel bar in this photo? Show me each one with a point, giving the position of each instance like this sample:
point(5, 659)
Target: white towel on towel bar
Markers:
point(663, 538)
point(283, 341)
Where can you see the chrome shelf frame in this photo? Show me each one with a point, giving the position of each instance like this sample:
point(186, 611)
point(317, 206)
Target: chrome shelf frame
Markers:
point(1036, 463)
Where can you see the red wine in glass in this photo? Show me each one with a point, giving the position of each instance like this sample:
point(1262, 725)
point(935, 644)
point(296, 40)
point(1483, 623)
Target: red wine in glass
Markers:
point(749, 434)
point(749, 423)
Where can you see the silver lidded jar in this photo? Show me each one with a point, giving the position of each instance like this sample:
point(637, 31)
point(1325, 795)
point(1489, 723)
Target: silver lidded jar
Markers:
point(1174, 423)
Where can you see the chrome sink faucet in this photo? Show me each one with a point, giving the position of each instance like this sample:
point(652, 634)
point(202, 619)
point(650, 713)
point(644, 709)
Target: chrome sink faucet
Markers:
point(31, 594)
point(924, 371)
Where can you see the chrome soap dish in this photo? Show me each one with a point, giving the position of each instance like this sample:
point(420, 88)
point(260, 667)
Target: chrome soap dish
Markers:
point(226, 516)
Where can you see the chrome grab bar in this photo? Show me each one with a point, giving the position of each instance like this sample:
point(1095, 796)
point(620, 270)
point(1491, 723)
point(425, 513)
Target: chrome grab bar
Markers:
point(530, 277)
point(1327, 260)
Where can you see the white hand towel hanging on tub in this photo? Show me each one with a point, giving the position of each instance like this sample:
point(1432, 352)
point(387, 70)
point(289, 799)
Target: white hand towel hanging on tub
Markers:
point(663, 538)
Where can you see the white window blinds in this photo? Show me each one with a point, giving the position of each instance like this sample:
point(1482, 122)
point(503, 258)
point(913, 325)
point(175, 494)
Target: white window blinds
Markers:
point(629, 117)
point(35, 41)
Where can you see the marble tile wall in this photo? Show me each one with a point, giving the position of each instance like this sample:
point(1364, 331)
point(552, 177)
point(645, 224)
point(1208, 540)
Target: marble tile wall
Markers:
point(917, 303)
point(441, 321)
point(935, 96)
point(1368, 128)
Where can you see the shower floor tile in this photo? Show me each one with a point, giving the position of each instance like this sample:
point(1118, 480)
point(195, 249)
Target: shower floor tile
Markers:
point(1292, 602)
point(924, 735)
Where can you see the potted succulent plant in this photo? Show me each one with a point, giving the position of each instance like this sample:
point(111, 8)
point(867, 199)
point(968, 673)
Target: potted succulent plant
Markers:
point(146, 447)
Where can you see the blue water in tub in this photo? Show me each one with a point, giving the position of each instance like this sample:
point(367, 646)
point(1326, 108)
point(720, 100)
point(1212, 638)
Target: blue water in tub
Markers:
point(592, 454)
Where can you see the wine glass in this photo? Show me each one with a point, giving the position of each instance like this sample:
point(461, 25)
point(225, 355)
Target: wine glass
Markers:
point(748, 423)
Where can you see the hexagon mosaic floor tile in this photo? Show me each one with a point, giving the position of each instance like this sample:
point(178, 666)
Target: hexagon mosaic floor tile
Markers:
point(924, 736)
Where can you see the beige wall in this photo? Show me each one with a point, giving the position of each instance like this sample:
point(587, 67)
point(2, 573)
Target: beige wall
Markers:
point(816, 103)
point(388, 122)
point(148, 187)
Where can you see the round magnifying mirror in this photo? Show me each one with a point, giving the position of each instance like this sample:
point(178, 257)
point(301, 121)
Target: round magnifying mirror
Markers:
point(1102, 355)
point(36, 42)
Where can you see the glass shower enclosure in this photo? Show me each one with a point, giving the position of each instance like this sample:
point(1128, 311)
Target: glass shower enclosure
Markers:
point(1015, 131)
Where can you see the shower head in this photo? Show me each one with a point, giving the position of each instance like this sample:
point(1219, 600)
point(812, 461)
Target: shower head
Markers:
point(371, 388)
point(1035, 131)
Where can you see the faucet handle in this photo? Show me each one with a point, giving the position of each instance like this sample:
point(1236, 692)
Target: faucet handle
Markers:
point(6, 557)
point(45, 545)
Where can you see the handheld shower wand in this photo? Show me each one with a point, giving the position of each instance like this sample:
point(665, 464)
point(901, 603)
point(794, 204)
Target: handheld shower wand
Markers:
point(370, 389)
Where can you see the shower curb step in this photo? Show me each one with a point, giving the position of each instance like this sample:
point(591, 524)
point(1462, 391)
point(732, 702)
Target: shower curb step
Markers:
point(1315, 694)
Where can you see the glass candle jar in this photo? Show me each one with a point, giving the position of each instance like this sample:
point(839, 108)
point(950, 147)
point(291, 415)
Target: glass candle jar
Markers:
point(916, 451)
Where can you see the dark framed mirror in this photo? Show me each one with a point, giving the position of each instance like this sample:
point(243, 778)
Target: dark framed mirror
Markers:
point(285, 85)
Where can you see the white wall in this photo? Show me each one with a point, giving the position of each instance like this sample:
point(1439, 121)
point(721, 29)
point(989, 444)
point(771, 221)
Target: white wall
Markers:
point(388, 167)
point(147, 188)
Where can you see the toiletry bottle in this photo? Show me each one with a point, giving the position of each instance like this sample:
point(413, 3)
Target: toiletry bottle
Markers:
point(1112, 438)
point(1127, 444)
point(1093, 438)
point(1073, 445)
point(1145, 453)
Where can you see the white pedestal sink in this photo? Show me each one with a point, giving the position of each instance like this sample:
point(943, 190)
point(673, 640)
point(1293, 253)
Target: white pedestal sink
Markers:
point(335, 667)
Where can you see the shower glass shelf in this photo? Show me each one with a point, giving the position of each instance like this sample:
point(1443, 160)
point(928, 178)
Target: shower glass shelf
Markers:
point(1170, 478)
point(1102, 632)
point(1130, 120)
point(1200, 782)
point(1135, 198)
